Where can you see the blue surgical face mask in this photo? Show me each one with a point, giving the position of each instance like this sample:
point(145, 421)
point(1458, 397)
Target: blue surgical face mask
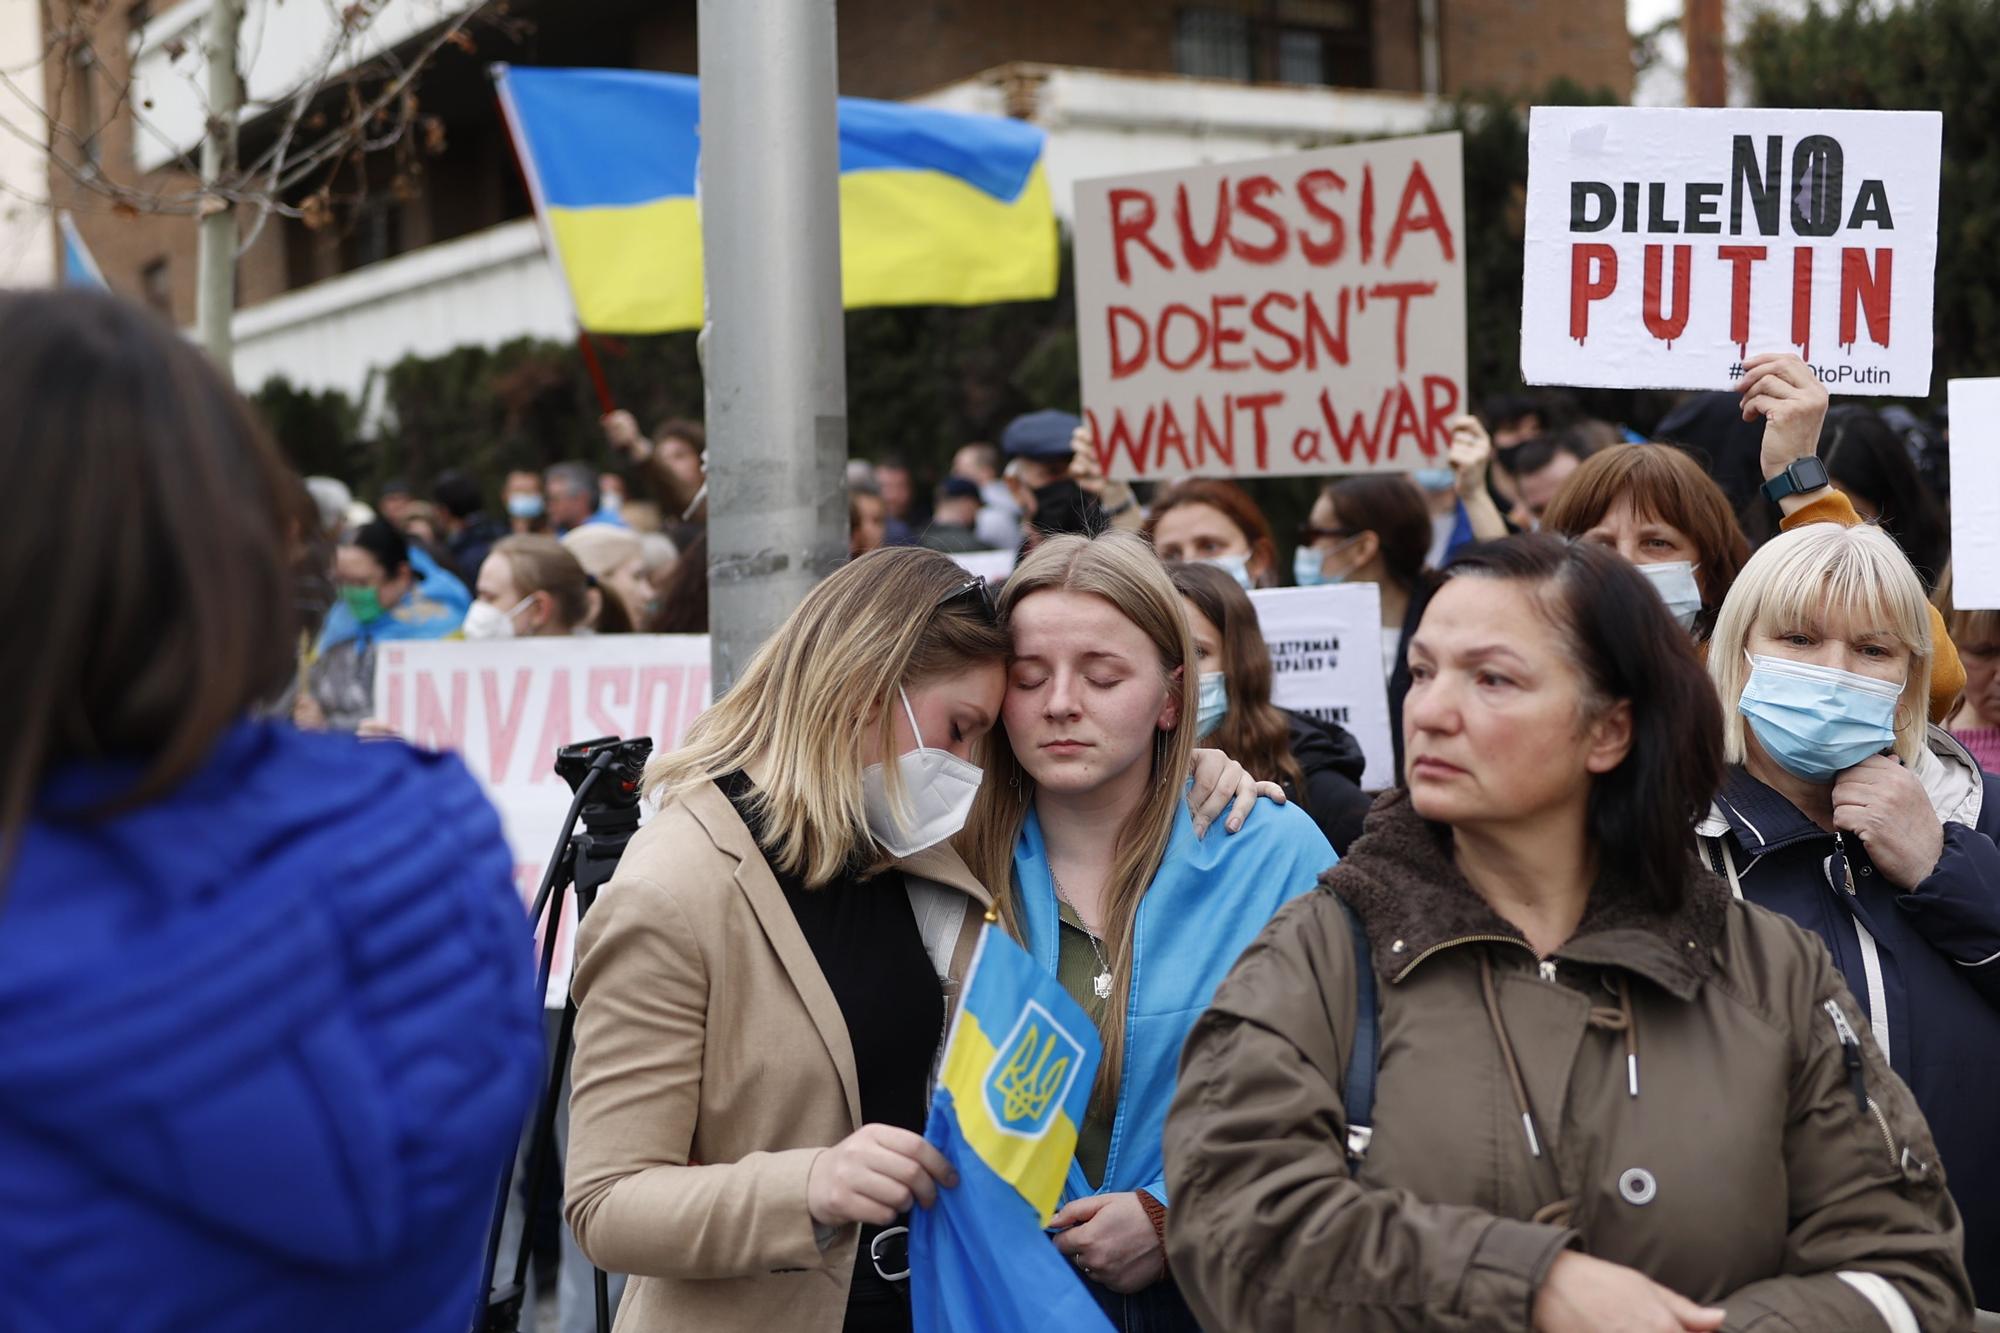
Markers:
point(1309, 565)
point(1817, 722)
point(525, 506)
point(1674, 581)
point(1212, 705)
point(1236, 566)
point(1434, 479)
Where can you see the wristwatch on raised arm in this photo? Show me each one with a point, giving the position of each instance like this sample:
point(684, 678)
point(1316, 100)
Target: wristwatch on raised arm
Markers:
point(1802, 475)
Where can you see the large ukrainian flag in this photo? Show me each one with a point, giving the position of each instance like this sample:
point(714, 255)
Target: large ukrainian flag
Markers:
point(1018, 1067)
point(937, 207)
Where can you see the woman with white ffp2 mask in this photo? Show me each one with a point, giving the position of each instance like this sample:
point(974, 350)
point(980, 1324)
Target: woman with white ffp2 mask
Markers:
point(763, 985)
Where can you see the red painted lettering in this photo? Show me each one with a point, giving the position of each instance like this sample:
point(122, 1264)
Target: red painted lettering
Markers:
point(1122, 363)
point(1201, 256)
point(1201, 336)
point(503, 723)
point(1583, 288)
point(1263, 324)
point(1318, 335)
point(1740, 258)
point(1257, 404)
point(1133, 213)
point(1326, 251)
point(1417, 191)
point(1250, 195)
point(615, 682)
point(1402, 293)
point(1440, 406)
point(1870, 291)
point(1802, 267)
point(1225, 335)
point(1211, 443)
point(1661, 325)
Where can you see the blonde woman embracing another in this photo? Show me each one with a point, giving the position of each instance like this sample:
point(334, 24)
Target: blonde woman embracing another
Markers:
point(763, 987)
point(1105, 881)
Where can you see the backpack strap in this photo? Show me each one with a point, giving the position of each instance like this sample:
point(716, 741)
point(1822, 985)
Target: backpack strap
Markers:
point(1357, 1092)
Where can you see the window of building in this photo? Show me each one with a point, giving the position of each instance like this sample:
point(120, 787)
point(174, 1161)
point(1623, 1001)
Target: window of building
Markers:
point(1213, 44)
point(1319, 42)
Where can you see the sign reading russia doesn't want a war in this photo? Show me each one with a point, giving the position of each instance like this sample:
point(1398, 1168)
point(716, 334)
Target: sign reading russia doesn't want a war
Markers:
point(1301, 314)
point(1664, 247)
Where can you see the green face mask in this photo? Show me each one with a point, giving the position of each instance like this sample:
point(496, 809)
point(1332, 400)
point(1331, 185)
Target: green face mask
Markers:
point(365, 603)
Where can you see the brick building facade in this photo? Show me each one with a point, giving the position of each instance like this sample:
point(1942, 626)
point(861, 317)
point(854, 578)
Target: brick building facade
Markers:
point(887, 48)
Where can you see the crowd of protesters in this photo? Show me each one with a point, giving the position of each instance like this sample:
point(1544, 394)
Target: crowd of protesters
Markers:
point(1673, 948)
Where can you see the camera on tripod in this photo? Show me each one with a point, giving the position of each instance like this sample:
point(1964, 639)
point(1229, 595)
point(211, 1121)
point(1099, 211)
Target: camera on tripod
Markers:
point(616, 790)
point(605, 775)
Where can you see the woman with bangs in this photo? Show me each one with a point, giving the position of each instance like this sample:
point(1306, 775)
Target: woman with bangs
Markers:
point(1100, 873)
point(763, 987)
point(1655, 506)
point(1845, 812)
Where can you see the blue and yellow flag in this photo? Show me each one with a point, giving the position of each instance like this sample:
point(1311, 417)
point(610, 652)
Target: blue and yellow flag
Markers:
point(937, 207)
point(1018, 1067)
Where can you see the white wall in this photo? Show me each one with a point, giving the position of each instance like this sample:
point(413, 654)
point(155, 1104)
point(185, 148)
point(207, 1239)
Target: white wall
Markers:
point(27, 238)
point(477, 290)
point(284, 43)
point(1104, 124)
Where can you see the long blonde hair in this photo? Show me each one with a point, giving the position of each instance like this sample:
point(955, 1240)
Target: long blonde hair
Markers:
point(1121, 568)
point(800, 710)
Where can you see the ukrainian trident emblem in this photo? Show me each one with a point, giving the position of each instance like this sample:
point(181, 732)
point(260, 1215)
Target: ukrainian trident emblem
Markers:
point(1032, 1073)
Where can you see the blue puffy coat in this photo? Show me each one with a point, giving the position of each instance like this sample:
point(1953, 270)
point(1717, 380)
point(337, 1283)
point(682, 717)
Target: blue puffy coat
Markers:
point(1925, 965)
point(266, 1044)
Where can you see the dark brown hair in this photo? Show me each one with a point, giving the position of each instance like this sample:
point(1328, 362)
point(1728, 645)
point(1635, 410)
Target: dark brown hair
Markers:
point(1660, 482)
point(1626, 647)
point(149, 590)
point(1389, 505)
point(1254, 732)
point(1233, 503)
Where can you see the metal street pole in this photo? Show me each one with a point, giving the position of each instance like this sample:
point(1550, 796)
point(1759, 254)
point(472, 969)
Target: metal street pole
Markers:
point(775, 351)
point(215, 246)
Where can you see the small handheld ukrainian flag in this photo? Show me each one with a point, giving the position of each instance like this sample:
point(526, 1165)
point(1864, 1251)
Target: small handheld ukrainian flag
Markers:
point(1018, 1068)
point(937, 207)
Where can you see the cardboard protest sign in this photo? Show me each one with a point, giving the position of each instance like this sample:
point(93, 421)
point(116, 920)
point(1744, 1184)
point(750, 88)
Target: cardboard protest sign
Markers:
point(1326, 662)
point(1975, 494)
point(1299, 314)
point(1665, 247)
point(506, 706)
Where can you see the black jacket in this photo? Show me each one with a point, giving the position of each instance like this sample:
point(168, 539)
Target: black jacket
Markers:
point(1333, 763)
point(1925, 964)
point(471, 544)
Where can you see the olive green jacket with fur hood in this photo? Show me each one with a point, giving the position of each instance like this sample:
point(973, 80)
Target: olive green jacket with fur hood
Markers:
point(1696, 1096)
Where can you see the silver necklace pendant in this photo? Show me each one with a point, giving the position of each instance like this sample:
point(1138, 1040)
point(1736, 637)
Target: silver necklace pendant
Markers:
point(1102, 985)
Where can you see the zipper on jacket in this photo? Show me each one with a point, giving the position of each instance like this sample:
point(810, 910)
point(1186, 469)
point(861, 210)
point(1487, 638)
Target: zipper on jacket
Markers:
point(1462, 939)
point(1882, 1123)
point(1548, 969)
point(1850, 1055)
point(1843, 881)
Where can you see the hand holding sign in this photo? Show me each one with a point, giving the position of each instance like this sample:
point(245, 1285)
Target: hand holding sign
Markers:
point(1783, 390)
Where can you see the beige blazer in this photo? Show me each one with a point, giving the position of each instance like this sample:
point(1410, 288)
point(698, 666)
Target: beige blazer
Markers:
point(712, 1067)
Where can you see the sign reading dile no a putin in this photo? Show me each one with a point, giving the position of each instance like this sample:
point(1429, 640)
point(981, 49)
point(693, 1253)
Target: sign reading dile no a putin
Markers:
point(1665, 246)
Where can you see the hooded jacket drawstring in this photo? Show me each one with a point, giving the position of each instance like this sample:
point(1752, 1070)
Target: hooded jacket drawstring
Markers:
point(1601, 1016)
point(1507, 1053)
point(1621, 1020)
